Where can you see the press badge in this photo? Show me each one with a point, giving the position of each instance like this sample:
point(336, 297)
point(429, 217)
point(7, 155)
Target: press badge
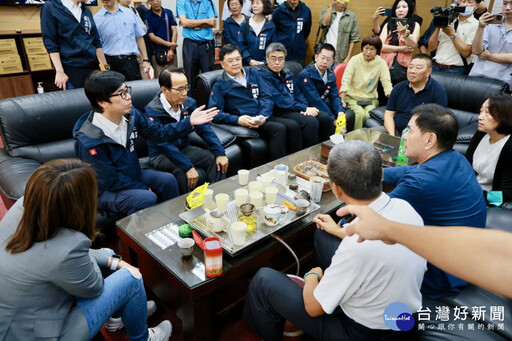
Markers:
point(300, 24)
point(289, 84)
point(326, 92)
point(263, 40)
point(255, 91)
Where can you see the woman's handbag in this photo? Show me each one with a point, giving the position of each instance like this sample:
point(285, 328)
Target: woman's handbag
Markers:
point(397, 72)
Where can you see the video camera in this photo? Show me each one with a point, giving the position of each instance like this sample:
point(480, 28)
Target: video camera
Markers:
point(444, 16)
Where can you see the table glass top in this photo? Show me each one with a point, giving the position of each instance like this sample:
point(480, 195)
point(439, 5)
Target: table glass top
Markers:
point(143, 226)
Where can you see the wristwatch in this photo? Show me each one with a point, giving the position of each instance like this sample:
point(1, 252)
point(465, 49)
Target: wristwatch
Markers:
point(115, 261)
point(146, 60)
point(453, 36)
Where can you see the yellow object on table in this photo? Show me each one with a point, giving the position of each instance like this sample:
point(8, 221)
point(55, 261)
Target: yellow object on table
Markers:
point(196, 197)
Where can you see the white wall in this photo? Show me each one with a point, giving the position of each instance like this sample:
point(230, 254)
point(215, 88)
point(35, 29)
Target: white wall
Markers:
point(171, 4)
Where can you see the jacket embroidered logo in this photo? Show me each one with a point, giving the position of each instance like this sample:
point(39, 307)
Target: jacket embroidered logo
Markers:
point(93, 152)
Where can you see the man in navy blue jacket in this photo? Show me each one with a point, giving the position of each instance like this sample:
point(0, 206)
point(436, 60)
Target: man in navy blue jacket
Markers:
point(105, 137)
point(293, 23)
point(244, 99)
point(72, 40)
point(289, 102)
point(318, 83)
point(172, 105)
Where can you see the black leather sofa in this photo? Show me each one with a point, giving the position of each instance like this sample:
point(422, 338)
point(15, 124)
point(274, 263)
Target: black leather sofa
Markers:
point(38, 128)
point(465, 97)
point(471, 296)
point(255, 149)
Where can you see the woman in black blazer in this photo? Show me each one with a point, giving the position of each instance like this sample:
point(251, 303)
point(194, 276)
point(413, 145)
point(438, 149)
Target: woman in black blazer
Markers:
point(490, 150)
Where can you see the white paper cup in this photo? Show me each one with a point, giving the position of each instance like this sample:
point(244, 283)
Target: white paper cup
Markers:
point(243, 177)
point(281, 177)
point(265, 181)
point(254, 186)
point(222, 200)
point(241, 196)
point(208, 199)
point(238, 232)
point(256, 198)
point(317, 186)
point(271, 195)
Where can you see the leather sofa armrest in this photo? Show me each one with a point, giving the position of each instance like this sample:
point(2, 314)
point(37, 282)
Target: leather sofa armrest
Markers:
point(238, 131)
point(378, 114)
point(14, 175)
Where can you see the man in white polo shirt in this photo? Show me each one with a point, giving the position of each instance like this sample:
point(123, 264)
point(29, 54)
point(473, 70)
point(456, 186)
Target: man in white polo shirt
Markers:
point(348, 300)
point(453, 43)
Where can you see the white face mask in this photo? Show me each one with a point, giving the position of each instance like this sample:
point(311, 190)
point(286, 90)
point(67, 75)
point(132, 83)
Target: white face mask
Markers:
point(468, 11)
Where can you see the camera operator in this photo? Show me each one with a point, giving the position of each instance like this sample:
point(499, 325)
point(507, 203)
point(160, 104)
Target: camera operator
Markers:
point(493, 46)
point(453, 42)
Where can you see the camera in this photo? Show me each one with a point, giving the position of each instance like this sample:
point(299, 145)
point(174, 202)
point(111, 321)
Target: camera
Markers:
point(444, 16)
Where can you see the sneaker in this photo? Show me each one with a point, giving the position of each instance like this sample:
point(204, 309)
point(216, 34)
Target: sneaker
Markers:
point(115, 323)
point(162, 332)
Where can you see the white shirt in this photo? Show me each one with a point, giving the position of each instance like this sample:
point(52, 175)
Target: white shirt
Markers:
point(242, 80)
point(168, 108)
point(257, 27)
point(446, 53)
point(364, 278)
point(117, 132)
point(324, 76)
point(485, 160)
point(332, 35)
point(74, 9)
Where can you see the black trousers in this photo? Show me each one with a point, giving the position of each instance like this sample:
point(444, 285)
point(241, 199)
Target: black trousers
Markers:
point(203, 161)
point(197, 56)
point(275, 134)
point(78, 75)
point(126, 65)
point(273, 298)
point(305, 129)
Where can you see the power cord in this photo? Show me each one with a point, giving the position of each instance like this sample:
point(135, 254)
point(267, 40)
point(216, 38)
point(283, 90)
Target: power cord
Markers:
point(279, 239)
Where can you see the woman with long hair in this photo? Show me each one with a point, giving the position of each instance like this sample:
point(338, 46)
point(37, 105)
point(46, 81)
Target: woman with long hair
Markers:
point(51, 285)
point(399, 38)
point(490, 150)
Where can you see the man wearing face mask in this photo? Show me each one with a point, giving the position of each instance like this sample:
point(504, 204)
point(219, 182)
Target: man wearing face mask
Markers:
point(453, 43)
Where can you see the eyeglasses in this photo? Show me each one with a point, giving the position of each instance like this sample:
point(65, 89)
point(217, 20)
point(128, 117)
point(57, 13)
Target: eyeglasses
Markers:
point(276, 59)
point(182, 88)
point(122, 94)
point(324, 58)
point(233, 60)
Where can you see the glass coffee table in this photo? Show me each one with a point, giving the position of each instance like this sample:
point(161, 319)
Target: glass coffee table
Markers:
point(180, 282)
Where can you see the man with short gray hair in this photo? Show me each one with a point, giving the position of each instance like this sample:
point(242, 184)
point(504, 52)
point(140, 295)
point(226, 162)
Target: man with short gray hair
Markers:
point(289, 102)
point(348, 301)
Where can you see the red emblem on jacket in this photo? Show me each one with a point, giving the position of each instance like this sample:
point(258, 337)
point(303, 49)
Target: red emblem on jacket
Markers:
point(93, 152)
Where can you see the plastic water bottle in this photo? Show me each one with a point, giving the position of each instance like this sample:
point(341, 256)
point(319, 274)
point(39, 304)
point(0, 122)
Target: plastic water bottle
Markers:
point(401, 159)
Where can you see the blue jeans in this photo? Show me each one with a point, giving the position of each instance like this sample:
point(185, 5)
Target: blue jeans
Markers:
point(459, 70)
point(124, 294)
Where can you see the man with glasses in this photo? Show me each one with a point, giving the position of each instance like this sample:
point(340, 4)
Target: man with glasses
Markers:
point(318, 83)
point(191, 165)
point(289, 102)
point(105, 138)
point(244, 99)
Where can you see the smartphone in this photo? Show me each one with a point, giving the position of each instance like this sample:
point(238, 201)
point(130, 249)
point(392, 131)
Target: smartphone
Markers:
point(388, 12)
point(403, 21)
point(258, 119)
point(498, 19)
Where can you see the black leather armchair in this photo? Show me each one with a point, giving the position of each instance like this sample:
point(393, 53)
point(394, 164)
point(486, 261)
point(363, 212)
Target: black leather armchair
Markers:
point(38, 128)
point(465, 97)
